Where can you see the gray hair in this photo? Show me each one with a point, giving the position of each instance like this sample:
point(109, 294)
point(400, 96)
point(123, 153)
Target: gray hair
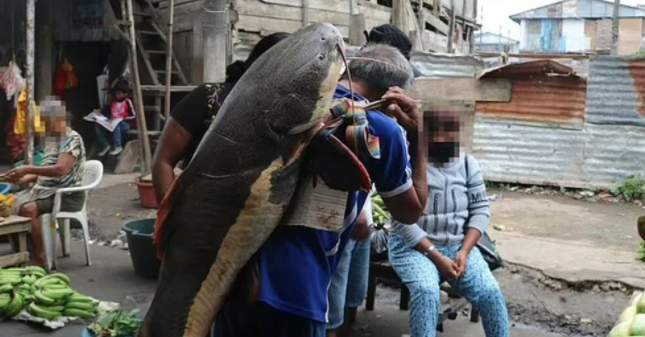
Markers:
point(381, 66)
point(51, 107)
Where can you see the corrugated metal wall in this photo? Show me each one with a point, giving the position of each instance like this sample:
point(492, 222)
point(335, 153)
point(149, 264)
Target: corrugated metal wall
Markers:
point(609, 147)
point(557, 101)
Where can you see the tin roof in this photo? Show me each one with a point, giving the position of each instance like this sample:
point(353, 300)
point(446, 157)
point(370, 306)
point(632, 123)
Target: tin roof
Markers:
point(529, 69)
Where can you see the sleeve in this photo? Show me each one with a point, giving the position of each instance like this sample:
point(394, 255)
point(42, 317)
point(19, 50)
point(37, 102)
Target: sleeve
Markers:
point(72, 145)
point(478, 205)
point(190, 111)
point(411, 234)
point(132, 114)
point(392, 173)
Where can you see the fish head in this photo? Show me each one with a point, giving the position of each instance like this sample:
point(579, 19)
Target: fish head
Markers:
point(299, 74)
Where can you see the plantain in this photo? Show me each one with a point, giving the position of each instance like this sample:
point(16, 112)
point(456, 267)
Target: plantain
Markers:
point(43, 313)
point(89, 307)
point(5, 288)
point(57, 294)
point(15, 306)
point(37, 271)
point(77, 297)
point(61, 277)
point(71, 312)
point(4, 301)
point(42, 299)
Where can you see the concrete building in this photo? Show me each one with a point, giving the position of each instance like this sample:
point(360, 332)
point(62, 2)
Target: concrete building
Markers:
point(494, 43)
point(579, 26)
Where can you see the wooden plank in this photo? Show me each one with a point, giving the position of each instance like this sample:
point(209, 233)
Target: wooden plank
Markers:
point(329, 5)
point(22, 241)
point(399, 17)
point(435, 22)
point(15, 228)
point(162, 89)
point(462, 89)
point(14, 259)
point(14, 219)
point(266, 26)
point(259, 9)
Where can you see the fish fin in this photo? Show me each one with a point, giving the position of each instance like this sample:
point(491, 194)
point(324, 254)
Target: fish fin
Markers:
point(163, 214)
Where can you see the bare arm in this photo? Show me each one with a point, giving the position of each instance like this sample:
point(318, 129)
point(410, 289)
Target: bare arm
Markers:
point(362, 227)
point(62, 167)
point(408, 206)
point(173, 143)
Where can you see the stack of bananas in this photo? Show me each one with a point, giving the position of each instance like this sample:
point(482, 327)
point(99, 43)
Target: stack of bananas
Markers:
point(379, 211)
point(45, 296)
point(6, 201)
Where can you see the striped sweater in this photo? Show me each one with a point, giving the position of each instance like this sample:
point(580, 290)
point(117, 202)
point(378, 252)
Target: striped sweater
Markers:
point(457, 201)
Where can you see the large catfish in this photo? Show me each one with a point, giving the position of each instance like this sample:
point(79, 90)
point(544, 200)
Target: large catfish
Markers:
point(231, 197)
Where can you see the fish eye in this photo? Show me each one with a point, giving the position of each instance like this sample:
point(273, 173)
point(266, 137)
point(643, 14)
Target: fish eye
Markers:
point(321, 57)
point(323, 38)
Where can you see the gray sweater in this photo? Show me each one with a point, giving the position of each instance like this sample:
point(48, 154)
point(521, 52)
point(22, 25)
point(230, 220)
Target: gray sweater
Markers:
point(457, 201)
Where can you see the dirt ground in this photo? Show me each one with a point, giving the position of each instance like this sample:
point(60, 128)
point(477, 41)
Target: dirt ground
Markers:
point(533, 299)
point(609, 224)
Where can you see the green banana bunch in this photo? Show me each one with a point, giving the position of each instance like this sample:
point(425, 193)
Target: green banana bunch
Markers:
point(379, 211)
point(47, 313)
point(4, 301)
point(80, 306)
point(15, 306)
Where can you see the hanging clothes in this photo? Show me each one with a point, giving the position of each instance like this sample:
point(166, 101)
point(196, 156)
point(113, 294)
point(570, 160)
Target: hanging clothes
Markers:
point(64, 78)
point(20, 125)
point(11, 80)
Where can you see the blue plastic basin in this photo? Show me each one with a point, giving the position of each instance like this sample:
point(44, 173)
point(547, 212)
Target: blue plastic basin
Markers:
point(5, 188)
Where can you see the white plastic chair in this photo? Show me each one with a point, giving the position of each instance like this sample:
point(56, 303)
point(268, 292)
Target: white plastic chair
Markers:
point(92, 175)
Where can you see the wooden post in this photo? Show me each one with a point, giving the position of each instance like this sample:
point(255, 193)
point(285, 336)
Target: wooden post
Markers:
point(399, 16)
point(472, 29)
point(171, 15)
point(356, 28)
point(451, 31)
point(215, 23)
point(146, 157)
point(421, 15)
point(615, 28)
point(463, 24)
point(31, 22)
point(305, 13)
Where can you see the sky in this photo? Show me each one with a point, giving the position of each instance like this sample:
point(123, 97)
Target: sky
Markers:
point(496, 13)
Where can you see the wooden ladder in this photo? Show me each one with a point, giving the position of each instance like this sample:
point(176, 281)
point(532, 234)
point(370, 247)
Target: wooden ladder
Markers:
point(152, 46)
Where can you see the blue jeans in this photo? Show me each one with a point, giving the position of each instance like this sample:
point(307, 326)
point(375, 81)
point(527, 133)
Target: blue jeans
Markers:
point(349, 282)
point(102, 134)
point(477, 285)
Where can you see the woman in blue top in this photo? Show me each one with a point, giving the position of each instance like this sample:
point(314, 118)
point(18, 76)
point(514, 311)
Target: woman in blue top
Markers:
point(440, 244)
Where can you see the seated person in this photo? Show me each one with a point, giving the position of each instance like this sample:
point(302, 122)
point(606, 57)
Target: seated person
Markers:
point(61, 166)
point(120, 108)
point(441, 243)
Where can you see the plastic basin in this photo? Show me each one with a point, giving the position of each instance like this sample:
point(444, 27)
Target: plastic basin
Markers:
point(146, 194)
point(143, 253)
point(5, 188)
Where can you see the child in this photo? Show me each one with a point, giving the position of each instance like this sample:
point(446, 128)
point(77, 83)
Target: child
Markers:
point(120, 108)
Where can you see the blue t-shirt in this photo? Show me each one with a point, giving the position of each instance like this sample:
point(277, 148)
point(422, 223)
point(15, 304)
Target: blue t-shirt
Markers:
point(297, 263)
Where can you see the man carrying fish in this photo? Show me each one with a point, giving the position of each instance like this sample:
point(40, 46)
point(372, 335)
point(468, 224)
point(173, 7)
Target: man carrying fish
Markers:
point(296, 263)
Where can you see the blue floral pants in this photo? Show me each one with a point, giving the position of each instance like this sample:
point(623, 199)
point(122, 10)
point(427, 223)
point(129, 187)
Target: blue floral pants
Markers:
point(422, 278)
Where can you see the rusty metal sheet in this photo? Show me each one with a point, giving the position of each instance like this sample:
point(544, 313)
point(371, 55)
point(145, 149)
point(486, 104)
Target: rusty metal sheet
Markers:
point(616, 91)
point(528, 69)
point(557, 102)
point(597, 156)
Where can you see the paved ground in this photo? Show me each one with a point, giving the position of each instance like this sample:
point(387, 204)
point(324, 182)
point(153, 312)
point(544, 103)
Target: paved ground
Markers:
point(111, 278)
point(564, 256)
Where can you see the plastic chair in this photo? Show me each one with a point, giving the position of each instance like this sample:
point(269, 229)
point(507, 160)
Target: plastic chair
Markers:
point(92, 175)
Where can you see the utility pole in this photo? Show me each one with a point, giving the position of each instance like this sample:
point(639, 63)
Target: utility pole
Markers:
point(171, 20)
point(31, 30)
point(215, 22)
point(615, 28)
point(451, 30)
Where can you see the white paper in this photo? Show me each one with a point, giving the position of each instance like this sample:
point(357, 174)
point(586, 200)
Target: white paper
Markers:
point(97, 117)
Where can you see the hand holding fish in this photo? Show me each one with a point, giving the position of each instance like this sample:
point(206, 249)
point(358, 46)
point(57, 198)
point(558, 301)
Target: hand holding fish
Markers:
point(404, 108)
